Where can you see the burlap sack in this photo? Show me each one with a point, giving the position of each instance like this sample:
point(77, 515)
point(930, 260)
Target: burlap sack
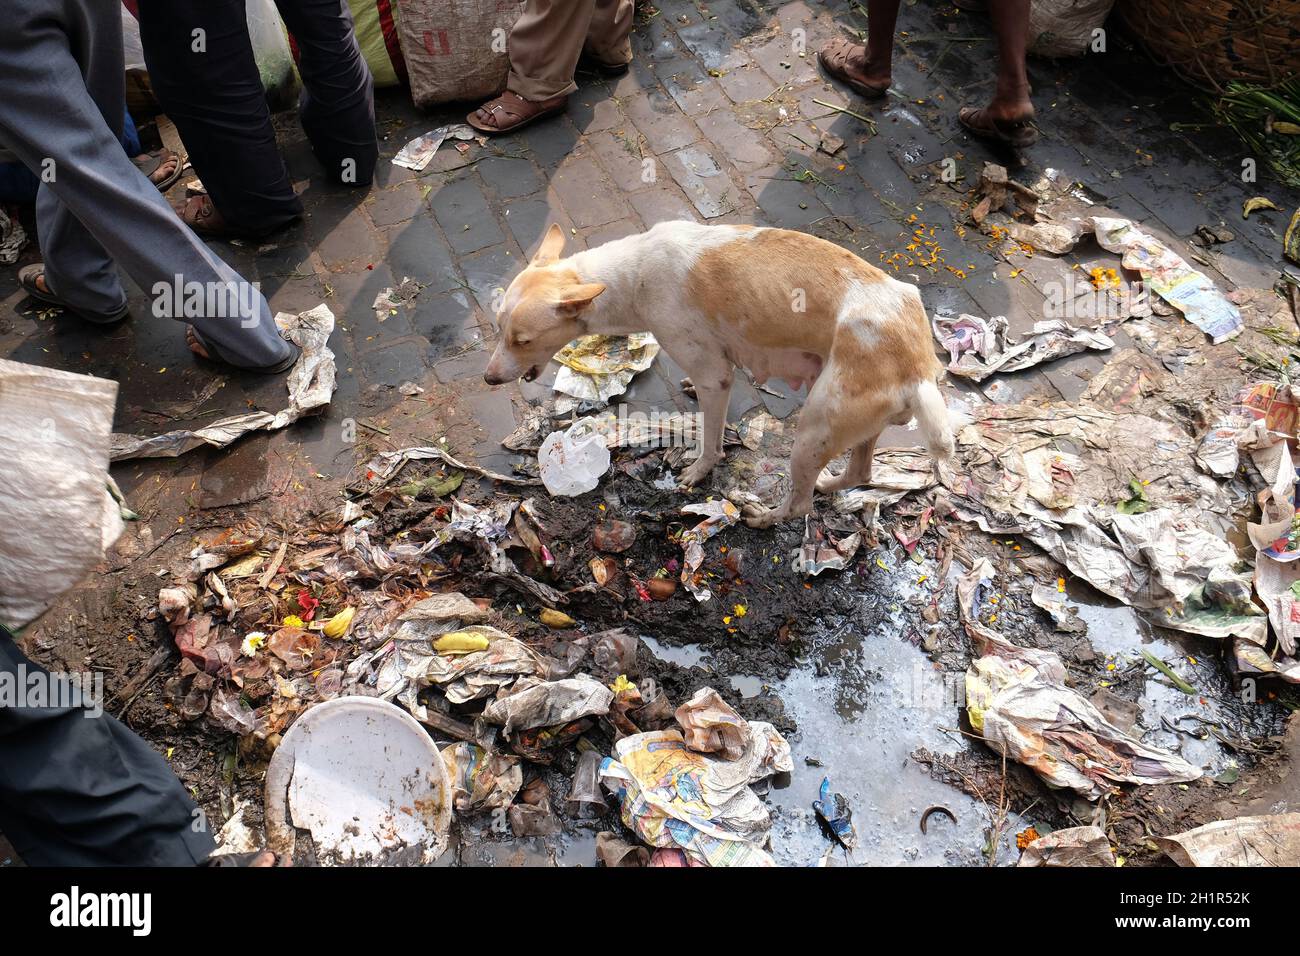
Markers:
point(456, 49)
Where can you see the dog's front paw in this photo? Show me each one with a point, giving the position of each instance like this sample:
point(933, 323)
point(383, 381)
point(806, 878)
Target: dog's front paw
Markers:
point(694, 475)
point(758, 516)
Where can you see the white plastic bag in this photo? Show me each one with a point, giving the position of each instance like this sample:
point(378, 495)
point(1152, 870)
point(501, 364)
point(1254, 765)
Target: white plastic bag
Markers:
point(58, 514)
point(271, 50)
point(1065, 27)
point(573, 460)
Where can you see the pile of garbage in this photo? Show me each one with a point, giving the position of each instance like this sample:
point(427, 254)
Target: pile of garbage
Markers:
point(267, 629)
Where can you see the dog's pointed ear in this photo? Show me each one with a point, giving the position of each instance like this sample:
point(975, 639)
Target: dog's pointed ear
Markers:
point(574, 299)
point(551, 247)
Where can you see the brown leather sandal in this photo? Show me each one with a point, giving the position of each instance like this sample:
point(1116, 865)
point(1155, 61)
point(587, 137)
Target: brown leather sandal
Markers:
point(834, 58)
point(510, 111)
point(1018, 135)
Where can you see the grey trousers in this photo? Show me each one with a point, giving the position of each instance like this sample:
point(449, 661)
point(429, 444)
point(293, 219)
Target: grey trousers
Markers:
point(61, 114)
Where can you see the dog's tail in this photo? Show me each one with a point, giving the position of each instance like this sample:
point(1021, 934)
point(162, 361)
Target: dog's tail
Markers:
point(936, 425)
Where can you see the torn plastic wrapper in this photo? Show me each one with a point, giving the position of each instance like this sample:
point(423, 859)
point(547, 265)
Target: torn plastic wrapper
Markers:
point(595, 368)
point(834, 810)
point(60, 517)
point(673, 797)
point(383, 468)
point(1073, 846)
point(1169, 275)
point(820, 552)
point(481, 780)
point(572, 461)
point(718, 514)
point(1269, 840)
point(310, 383)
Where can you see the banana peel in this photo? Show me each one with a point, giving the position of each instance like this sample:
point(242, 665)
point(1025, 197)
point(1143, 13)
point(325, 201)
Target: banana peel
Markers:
point(338, 625)
point(461, 642)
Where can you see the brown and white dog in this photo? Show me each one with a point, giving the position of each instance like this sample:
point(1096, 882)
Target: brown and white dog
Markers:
point(779, 303)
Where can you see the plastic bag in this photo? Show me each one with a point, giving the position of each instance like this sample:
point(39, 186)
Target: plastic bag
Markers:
point(573, 460)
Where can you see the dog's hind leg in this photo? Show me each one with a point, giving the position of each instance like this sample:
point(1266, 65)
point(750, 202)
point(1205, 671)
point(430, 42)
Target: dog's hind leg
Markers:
point(814, 445)
point(855, 474)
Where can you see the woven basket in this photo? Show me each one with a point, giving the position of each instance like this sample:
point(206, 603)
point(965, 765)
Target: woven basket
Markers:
point(1210, 42)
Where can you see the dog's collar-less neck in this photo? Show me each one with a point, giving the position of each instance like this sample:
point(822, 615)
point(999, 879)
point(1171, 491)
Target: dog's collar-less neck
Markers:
point(617, 266)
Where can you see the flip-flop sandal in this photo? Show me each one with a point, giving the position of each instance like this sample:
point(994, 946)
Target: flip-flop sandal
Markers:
point(27, 277)
point(205, 219)
point(216, 355)
point(1017, 135)
point(834, 58)
point(148, 163)
point(510, 111)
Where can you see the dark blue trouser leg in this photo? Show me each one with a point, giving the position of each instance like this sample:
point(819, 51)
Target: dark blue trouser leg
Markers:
point(79, 790)
point(215, 98)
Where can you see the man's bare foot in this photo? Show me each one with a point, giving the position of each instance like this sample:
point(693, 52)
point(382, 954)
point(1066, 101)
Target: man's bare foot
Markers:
point(195, 345)
point(162, 166)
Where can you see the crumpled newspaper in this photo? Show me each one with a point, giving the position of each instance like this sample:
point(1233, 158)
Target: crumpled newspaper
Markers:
point(418, 152)
point(1189, 291)
point(595, 368)
point(978, 348)
point(718, 514)
point(674, 797)
point(59, 513)
point(1017, 700)
point(12, 238)
point(310, 383)
point(549, 703)
point(1266, 840)
point(711, 726)
point(1072, 846)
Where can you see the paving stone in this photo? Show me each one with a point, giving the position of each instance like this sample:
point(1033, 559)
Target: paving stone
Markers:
point(619, 154)
point(465, 216)
point(747, 149)
point(593, 108)
point(612, 231)
point(447, 321)
point(705, 183)
point(694, 91)
point(778, 59)
point(587, 196)
point(662, 205)
point(416, 249)
point(784, 201)
point(713, 46)
point(529, 219)
point(491, 270)
point(746, 82)
point(395, 204)
point(659, 121)
point(352, 304)
point(394, 364)
point(549, 141)
point(510, 177)
point(343, 236)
